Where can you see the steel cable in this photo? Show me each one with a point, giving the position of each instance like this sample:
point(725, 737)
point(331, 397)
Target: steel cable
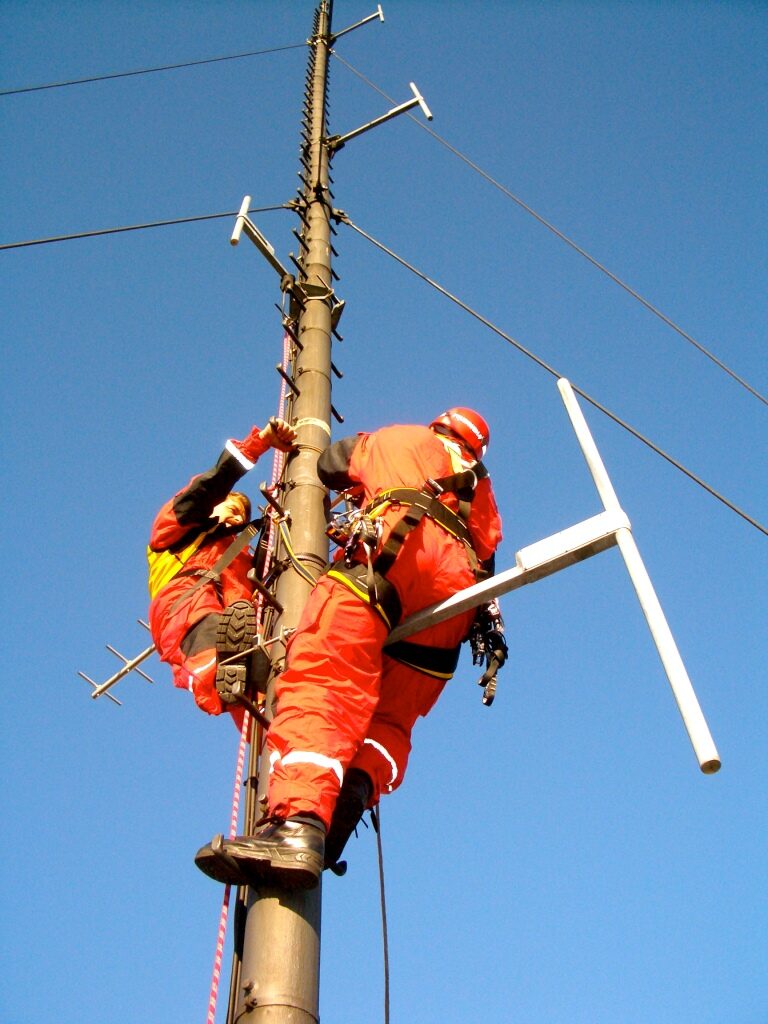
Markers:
point(136, 227)
point(148, 71)
point(564, 238)
point(344, 219)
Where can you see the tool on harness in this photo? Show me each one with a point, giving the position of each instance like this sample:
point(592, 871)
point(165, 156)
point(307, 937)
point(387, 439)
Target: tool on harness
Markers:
point(363, 527)
point(488, 643)
point(364, 533)
point(368, 579)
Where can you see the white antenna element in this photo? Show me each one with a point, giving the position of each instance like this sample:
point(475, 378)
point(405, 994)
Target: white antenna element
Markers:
point(703, 744)
point(371, 17)
point(336, 142)
point(608, 529)
point(243, 223)
point(242, 217)
point(420, 101)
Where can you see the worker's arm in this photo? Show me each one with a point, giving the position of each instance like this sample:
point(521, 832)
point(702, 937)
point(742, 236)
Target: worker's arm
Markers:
point(333, 464)
point(191, 508)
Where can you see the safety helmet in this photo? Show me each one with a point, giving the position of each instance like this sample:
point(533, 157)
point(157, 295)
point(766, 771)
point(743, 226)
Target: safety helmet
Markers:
point(467, 425)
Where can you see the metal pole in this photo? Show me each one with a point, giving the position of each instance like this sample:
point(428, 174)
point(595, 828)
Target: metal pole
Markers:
point(695, 724)
point(280, 961)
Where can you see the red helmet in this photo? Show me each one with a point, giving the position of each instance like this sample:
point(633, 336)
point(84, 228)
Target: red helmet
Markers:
point(467, 425)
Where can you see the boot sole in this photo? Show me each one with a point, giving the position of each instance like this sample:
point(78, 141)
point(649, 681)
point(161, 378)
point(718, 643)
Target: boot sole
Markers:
point(288, 869)
point(236, 629)
point(234, 634)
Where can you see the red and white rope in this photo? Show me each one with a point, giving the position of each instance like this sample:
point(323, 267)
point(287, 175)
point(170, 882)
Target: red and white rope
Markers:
point(278, 461)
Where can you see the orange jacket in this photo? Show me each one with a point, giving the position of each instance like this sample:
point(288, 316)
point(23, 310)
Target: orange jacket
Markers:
point(181, 521)
point(431, 565)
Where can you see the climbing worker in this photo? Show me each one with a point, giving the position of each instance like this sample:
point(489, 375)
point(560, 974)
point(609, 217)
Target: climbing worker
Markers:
point(201, 614)
point(427, 526)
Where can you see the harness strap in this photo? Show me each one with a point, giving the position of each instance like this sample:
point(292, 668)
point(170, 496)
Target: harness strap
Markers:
point(386, 600)
point(420, 503)
point(212, 575)
point(439, 662)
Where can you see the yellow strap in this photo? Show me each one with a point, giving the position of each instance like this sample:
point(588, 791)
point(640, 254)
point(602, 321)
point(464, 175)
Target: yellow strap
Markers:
point(362, 593)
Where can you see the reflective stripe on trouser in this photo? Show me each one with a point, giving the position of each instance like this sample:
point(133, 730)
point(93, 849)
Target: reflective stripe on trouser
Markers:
point(326, 697)
point(197, 673)
point(405, 695)
point(341, 702)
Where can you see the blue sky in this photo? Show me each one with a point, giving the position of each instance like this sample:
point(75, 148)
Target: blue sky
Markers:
point(558, 857)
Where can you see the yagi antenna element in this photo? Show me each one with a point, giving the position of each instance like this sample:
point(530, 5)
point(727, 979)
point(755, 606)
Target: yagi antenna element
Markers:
point(371, 17)
point(336, 142)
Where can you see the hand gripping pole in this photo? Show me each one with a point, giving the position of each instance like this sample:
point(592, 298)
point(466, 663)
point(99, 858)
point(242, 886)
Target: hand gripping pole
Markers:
point(693, 718)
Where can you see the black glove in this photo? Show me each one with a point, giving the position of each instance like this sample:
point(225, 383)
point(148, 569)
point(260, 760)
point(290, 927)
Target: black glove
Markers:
point(489, 646)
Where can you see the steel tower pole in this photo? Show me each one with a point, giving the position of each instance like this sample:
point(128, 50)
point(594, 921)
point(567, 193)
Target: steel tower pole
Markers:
point(279, 965)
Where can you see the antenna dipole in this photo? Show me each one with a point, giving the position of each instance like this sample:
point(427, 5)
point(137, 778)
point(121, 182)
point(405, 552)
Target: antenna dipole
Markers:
point(277, 976)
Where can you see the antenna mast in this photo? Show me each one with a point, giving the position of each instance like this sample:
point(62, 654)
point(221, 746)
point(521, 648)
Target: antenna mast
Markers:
point(276, 967)
point(279, 963)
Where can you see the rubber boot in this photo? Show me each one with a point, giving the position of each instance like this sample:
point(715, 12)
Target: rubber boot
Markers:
point(352, 801)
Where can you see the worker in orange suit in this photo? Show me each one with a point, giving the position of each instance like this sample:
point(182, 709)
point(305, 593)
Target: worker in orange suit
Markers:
point(198, 616)
point(427, 527)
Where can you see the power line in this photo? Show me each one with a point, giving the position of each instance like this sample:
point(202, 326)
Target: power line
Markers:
point(148, 71)
point(135, 227)
point(551, 370)
point(443, 291)
point(564, 238)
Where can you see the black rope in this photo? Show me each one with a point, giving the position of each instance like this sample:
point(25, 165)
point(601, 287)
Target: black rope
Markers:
point(540, 362)
point(147, 71)
point(376, 820)
point(564, 238)
point(135, 227)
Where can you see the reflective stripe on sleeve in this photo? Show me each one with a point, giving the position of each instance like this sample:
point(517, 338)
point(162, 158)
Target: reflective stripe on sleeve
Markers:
point(232, 448)
point(388, 758)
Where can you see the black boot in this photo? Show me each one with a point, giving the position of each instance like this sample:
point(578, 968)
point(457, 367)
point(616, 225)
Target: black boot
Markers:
point(352, 801)
point(234, 635)
point(287, 852)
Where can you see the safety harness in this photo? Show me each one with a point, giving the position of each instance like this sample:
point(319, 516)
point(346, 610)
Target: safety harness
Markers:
point(167, 565)
point(368, 579)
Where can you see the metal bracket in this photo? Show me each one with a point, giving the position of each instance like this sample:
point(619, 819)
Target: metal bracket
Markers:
point(276, 506)
point(337, 142)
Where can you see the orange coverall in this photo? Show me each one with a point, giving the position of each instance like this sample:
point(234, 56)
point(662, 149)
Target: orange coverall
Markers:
point(342, 701)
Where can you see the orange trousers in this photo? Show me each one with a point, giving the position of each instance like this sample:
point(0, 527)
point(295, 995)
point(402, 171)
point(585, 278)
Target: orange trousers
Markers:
point(341, 703)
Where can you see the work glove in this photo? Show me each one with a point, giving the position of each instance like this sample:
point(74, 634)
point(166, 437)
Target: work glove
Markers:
point(277, 434)
point(489, 646)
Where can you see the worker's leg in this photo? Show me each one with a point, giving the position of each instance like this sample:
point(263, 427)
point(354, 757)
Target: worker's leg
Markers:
point(405, 696)
point(379, 765)
point(216, 638)
point(326, 697)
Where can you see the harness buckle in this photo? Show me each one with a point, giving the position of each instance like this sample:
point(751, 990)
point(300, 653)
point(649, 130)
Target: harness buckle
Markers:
point(365, 532)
